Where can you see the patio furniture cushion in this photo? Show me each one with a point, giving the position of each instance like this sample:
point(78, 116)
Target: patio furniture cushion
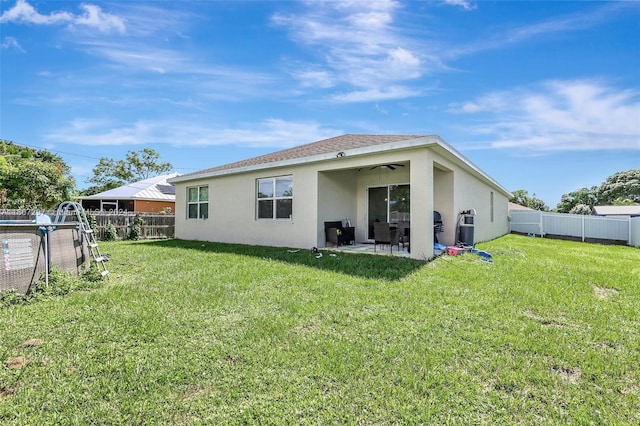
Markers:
point(337, 234)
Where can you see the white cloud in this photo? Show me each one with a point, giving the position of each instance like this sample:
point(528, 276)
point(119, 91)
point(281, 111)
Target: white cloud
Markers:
point(11, 43)
point(136, 56)
point(23, 12)
point(465, 4)
point(499, 38)
point(362, 51)
point(93, 17)
point(578, 115)
point(375, 94)
point(275, 133)
point(467, 107)
point(314, 78)
point(403, 64)
point(493, 102)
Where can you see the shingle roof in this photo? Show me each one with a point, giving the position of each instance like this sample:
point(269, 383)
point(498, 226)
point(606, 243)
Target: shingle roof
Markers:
point(349, 144)
point(155, 188)
point(514, 206)
point(325, 146)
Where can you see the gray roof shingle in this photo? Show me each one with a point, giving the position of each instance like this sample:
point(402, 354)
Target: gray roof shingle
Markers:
point(325, 146)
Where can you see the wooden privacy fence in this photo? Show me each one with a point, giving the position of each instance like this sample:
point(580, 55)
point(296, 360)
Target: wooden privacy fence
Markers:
point(152, 226)
point(616, 230)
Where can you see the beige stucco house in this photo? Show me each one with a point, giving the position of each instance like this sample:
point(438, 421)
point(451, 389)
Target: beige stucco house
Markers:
point(284, 198)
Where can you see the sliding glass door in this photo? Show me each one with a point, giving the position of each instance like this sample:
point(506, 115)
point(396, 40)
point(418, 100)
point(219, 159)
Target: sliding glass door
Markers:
point(387, 204)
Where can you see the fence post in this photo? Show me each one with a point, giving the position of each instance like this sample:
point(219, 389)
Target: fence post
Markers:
point(583, 228)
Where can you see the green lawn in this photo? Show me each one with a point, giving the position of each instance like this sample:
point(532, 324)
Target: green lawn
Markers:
point(201, 333)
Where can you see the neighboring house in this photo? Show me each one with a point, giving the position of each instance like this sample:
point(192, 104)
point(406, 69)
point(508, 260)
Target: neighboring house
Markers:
point(149, 196)
point(616, 211)
point(514, 206)
point(284, 198)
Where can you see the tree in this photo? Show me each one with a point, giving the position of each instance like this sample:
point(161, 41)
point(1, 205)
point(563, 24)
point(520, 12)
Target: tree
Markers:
point(138, 165)
point(520, 196)
point(584, 196)
point(581, 209)
point(620, 188)
point(32, 179)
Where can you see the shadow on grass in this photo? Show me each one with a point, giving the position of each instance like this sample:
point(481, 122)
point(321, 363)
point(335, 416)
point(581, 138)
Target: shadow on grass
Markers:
point(355, 264)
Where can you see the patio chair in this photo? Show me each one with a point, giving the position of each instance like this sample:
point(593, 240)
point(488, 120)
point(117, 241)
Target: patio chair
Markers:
point(384, 234)
point(337, 234)
point(404, 232)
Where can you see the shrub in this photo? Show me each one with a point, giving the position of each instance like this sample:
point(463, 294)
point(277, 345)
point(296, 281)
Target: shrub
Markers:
point(136, 229)
point(92, 221)
point(110, 232)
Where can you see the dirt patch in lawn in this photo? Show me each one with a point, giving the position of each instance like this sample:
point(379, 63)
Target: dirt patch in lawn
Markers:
point(29, 343)
point(18, 362)
point(547, 322)
point(5, 393)
point(603, 292)
point(570, 375)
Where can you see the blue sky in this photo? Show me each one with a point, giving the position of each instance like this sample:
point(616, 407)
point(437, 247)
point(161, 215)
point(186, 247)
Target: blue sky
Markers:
point(543, 96)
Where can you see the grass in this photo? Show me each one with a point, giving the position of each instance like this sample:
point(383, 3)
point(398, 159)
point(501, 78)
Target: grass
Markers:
point(203, 333)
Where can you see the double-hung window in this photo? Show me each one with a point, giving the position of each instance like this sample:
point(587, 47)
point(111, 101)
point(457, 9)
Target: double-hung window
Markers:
point(275, 197)
point(198, 202)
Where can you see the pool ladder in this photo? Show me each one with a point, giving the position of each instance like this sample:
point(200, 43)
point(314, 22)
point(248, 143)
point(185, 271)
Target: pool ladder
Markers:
point(86, 231)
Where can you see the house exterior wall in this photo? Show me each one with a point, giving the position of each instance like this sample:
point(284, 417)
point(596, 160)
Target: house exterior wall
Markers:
point(443, 185)
point(472, 193)
point(144, 206)
point(232, 211)
point(337, 189)
point(337, 194)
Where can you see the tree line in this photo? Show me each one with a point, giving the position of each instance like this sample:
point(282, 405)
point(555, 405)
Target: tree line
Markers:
point(619, 189)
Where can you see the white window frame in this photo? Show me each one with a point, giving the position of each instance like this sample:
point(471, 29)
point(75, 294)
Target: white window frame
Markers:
point(273, 197)
point(198, 203)
point(110, 206)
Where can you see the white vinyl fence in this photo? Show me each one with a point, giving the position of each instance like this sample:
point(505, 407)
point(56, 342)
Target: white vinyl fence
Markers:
point(623, 230)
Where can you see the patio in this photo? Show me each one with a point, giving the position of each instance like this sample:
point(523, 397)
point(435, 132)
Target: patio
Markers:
point(380, 249)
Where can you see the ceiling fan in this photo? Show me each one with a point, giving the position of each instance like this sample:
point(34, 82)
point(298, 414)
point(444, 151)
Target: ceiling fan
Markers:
point(392, 166)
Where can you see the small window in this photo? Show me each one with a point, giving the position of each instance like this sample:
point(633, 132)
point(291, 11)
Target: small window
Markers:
point(491, 205)
point(198, 202)
point(275, 198)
